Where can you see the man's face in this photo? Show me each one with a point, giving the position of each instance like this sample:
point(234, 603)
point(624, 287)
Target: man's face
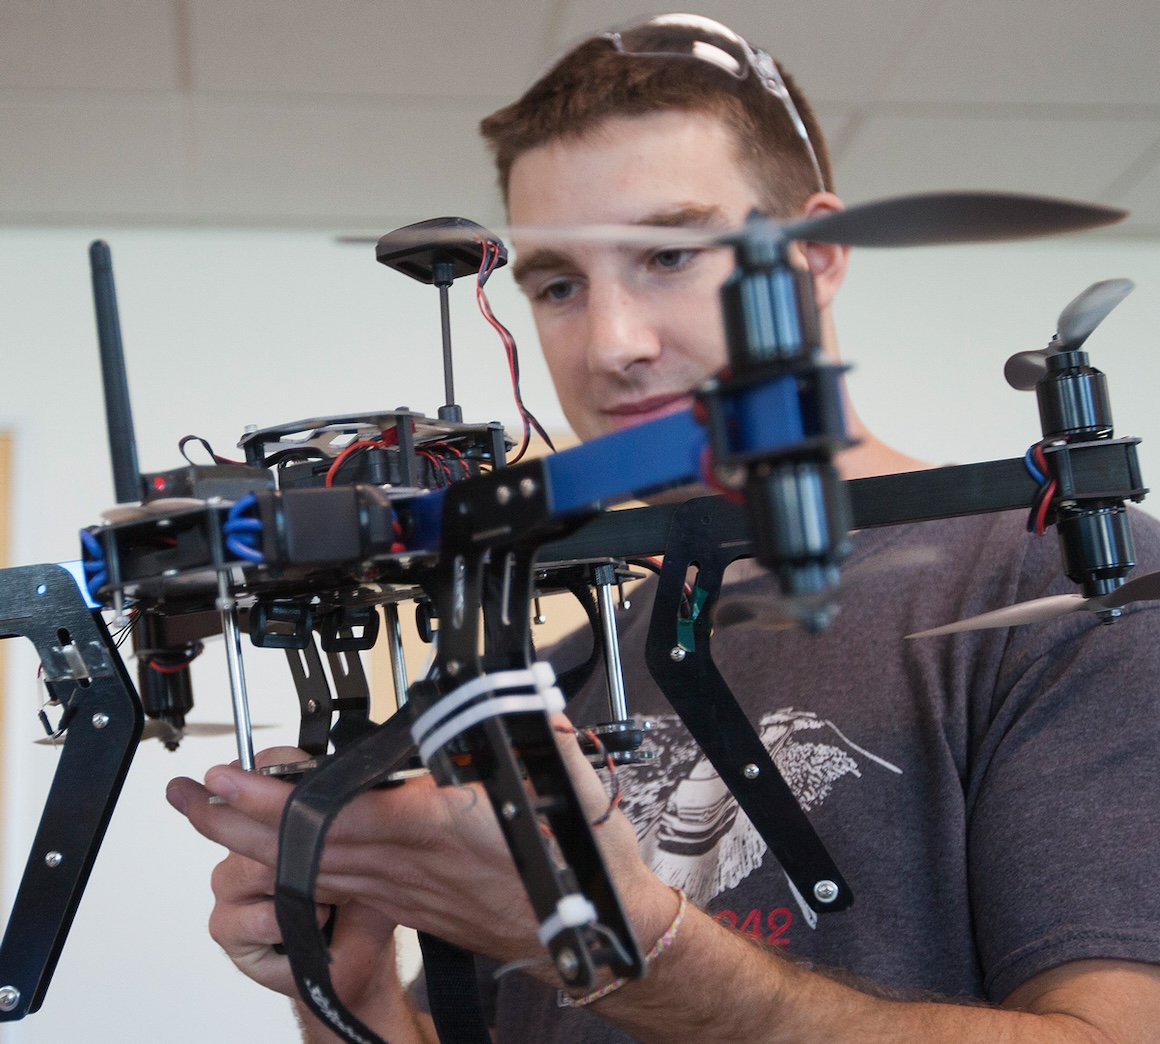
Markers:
point(628, 332)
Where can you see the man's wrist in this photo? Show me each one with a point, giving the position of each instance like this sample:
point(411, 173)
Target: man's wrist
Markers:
point(664, 941)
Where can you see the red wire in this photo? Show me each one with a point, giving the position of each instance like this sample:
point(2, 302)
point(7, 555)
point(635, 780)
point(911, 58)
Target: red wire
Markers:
point(354, 447)
point(1048, 493)
point(1044, 504)
point(458, 455)
point(486, 267)
point(734, 496)
point(390, 437)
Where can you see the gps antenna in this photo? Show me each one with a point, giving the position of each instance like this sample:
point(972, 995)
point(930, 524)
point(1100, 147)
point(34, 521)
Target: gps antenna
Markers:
point(439, 251)
point(118, 413)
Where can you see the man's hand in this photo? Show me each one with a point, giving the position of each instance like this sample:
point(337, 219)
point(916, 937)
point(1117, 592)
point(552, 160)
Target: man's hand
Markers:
point(244, 924)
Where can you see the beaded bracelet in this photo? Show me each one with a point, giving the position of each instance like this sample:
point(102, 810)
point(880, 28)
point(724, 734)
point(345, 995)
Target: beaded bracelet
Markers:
point(662, 944)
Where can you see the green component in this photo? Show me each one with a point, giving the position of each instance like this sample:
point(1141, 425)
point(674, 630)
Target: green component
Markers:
point(685, 624)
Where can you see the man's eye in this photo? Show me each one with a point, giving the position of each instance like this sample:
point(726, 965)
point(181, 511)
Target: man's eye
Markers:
point(675, 257)
point(557, 290)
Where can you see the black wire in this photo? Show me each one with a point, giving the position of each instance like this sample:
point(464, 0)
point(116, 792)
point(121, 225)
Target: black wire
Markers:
point(287, 456)
point(206, 446)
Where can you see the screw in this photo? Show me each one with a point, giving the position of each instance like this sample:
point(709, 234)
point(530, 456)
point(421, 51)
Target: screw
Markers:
point(676, 654)
point(825, 891)
point(527, 486)
point(311, 706)
point(9, 998)
point(647, 725)
point(751, 771)
point(567, 963)
point(100, 720)
point(503, 494)
point(509, 810)
point(53, 860)
point(453, 668)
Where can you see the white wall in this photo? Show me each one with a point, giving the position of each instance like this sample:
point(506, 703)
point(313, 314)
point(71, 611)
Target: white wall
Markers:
point(228, 328)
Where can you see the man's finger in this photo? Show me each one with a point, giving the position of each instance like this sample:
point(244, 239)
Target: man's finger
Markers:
point(224, 824)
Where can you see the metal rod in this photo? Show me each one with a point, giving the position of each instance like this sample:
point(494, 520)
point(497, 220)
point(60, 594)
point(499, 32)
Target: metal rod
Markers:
point(605, 576)
point(232, 634)
point(445, 318)
point(395, 647)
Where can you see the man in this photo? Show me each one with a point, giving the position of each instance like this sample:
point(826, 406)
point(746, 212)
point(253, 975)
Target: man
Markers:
point(996, 816)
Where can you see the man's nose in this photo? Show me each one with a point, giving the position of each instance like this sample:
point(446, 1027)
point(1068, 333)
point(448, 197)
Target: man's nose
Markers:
point(622, 330)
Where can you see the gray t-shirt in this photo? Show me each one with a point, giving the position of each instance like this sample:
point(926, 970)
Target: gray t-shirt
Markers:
point(991, 797)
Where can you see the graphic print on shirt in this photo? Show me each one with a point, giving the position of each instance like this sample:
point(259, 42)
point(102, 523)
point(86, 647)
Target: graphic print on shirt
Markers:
point(692, 833)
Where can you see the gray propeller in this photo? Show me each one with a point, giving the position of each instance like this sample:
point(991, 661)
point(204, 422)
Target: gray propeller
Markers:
point(919, 220)
point(952, 217)
point(778, 612)
point(1141, 589)
point(1076, 323)
point(161, 730)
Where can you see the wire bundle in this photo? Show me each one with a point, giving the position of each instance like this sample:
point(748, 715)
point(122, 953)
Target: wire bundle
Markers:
point(96, 572)
point(1036, 463)
point(488, 264)
point(242, 531)
point(390, 437)
point(171, 661)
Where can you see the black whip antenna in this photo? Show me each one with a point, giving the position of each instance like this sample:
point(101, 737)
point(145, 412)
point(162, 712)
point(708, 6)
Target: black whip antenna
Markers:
point(118, 412)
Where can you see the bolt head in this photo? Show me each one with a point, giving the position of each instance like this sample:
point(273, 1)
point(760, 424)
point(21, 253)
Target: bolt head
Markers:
point(53, 859)
point(751, 771)
point(311, 706)
point(527, 486)
point(100, 720)
point(567, 963)
point(453, 667)
point(677, 654)
point(825, 891)
point(503, 494)
point(509, 810)
point(9, 998)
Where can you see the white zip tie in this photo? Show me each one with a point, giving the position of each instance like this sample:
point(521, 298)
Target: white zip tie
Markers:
point(572, 911)
point(429, 736)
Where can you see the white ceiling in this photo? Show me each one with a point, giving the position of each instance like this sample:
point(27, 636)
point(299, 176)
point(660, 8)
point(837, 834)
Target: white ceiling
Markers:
point(359, 115)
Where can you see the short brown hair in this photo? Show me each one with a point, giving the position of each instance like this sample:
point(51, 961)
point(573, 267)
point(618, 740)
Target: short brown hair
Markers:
point(594, 82)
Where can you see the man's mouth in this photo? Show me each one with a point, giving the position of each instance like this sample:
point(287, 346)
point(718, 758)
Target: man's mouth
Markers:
point(638, 411)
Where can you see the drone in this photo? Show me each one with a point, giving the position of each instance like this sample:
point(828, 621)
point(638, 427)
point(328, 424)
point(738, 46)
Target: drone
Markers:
point(331, 523)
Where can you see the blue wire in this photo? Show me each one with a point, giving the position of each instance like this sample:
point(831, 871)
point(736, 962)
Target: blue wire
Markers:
point(93, 560)
point(1029, 460)
point(242, 534)
point(244, 550)
point(240, 507)
point(239, 525)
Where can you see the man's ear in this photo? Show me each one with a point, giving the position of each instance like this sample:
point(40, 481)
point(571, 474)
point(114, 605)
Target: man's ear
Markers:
point(826, 261)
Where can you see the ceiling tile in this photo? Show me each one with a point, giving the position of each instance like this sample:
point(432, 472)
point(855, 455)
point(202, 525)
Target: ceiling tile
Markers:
point(68, 156)
point(1065, 52)
point(438, 47)
point(895, 154)
point(325, 163)
point(95, 45)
